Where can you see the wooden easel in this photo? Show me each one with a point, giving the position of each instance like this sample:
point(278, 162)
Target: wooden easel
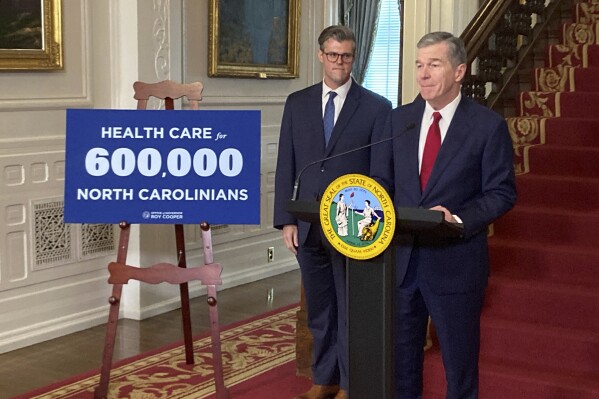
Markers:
point(208, 274)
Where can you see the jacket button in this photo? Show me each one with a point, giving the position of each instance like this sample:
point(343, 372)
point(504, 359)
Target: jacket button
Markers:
point(322, 169)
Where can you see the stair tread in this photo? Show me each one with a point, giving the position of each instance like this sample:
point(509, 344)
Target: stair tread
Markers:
point(564, 93)
point(526, 327)
point(562, 147)
point(588, 68)
point(585, 119)
point(559, 348)
point(590, 251)
point(559, 178)
point(521, 371)
point(547, 286)
point(555, 211)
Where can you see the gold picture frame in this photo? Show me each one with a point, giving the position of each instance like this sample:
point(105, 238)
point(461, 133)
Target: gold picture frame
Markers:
point(254, 39)
point(31, 38)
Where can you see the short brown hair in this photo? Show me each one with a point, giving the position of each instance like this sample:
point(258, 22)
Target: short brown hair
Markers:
point(339, 33)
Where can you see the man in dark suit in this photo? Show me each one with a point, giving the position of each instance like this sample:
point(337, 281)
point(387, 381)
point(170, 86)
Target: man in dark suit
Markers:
point(471, 180)
point(320, 121)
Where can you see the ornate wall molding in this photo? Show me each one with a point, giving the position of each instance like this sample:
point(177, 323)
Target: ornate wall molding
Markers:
point(161, 36)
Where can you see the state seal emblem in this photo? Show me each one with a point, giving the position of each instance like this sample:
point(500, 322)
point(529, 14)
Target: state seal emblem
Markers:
point(357, 216)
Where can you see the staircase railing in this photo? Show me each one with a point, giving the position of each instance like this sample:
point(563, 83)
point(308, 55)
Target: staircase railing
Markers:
point(505, 40)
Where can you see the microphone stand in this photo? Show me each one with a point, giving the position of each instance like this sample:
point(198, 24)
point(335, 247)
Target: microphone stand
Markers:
point(296, 185)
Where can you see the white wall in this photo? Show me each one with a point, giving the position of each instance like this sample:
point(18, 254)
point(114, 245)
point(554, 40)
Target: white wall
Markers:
point(424, 16)
point(48, 285)
point(108, 45)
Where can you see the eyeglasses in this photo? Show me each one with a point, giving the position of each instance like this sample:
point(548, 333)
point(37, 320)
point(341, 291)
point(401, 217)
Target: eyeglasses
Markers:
point(345, 57)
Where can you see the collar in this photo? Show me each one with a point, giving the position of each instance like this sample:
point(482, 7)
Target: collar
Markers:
point(341, 90)
point(447, 112)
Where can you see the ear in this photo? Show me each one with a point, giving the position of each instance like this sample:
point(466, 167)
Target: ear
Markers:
point(321, 56)
point(460, 72)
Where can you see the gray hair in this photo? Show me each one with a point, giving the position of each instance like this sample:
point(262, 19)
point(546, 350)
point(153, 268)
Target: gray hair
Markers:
point(339, 33)
point(455, 46)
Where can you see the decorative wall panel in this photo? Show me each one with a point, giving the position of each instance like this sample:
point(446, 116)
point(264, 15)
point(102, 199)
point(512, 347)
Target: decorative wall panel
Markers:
point(96, 239)
point(52, 240)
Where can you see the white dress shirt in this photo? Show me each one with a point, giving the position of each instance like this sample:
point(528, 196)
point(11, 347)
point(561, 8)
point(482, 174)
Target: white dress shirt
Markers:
point(447, 114)
point(339, 100)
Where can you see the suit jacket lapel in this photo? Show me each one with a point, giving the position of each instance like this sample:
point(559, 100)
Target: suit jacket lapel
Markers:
point(452, 144)
point(315, 132)
point(407, 142)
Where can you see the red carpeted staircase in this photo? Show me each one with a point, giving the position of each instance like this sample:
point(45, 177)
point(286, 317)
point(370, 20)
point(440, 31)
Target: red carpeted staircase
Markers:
point(540, 324)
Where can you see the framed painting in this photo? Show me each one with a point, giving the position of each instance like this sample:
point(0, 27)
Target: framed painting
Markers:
point(30, 35)
point(254, 38)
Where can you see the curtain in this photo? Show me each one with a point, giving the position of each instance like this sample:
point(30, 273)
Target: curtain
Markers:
point(361, 17)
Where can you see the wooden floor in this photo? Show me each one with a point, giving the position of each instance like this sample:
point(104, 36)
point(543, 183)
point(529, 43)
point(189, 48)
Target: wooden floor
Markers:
point(39, 365)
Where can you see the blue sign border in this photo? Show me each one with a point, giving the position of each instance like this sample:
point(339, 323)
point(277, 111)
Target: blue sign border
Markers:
point(154, 167)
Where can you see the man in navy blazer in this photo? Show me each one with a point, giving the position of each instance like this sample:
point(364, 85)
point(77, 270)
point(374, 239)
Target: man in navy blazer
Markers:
point(472, 182)
point(356, 113)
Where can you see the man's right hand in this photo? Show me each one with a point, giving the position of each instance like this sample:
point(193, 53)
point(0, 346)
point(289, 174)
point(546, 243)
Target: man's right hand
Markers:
point(290, 237)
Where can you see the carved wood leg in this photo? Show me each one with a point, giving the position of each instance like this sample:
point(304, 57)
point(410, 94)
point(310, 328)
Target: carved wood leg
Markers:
point(184, 293)
point(101, 391)
point(217, 358)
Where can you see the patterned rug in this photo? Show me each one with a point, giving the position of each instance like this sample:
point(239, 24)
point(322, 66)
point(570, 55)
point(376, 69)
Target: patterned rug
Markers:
point(258, 358)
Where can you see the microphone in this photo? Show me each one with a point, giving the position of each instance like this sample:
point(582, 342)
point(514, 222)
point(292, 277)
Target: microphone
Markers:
point(409, 126)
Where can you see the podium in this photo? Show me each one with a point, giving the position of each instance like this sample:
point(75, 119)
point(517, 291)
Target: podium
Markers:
point(370, 300)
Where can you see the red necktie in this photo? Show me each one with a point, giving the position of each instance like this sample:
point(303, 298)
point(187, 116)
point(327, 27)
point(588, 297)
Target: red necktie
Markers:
point(431, 148)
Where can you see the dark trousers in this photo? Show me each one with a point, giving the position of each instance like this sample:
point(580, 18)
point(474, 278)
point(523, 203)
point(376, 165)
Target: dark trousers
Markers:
point(324, 277)
point(456, 318)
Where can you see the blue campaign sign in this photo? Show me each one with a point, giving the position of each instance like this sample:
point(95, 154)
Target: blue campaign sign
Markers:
point(180, 167)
